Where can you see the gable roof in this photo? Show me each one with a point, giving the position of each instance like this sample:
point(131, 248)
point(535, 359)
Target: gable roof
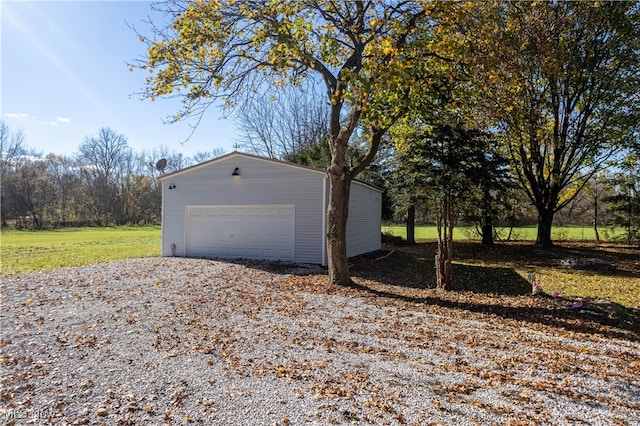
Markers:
point(255, 157)
point(239, 154)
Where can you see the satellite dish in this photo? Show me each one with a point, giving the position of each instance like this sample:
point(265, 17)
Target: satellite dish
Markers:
point(161, 164)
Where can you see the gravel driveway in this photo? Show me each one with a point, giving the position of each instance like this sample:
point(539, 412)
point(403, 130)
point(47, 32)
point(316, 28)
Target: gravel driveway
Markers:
point(184, 341)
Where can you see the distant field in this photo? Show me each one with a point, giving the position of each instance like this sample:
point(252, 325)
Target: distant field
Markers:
point(30, 251)
point(26, 251)
point(524, 233)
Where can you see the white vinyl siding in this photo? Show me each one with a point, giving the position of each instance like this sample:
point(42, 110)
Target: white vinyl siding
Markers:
point(262, 183)
point(363, 222)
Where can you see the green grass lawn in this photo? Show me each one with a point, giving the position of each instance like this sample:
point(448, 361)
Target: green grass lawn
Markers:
point(622, 286)
point(523, 233)
point(27, 251)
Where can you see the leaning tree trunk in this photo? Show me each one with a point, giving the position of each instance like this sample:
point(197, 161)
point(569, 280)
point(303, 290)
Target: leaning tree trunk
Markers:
point(545, 220)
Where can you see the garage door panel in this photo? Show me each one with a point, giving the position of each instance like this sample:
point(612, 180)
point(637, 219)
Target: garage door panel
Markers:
point(256, 232)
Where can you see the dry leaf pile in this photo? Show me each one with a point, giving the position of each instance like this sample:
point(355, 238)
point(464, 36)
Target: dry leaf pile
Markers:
point(184, 341)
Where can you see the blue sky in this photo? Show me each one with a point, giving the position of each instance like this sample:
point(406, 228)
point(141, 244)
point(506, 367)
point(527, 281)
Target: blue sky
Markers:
point(64, 75)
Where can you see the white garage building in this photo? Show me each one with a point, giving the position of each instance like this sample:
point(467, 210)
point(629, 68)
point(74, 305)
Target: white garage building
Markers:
point(244, 206)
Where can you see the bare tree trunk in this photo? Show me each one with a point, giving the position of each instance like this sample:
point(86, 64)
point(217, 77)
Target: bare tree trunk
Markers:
point(338, 206)
point(444, 255)
point(487, 231)
point(411, 225)
point(337, 213)
point(595, 213)
point(340, 177)
point(545, 221)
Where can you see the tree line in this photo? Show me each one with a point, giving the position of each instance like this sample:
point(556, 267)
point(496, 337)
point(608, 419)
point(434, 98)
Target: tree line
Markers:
point(455, 100)
point(468, 164)
point(106, 183)
point(556, 84)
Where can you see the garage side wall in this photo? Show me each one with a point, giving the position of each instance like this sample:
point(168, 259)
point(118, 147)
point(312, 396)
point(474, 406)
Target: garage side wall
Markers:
point(363, 222)
point(259, 183)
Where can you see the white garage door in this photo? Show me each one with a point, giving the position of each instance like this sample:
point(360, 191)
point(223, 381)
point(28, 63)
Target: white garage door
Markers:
point(250, 232)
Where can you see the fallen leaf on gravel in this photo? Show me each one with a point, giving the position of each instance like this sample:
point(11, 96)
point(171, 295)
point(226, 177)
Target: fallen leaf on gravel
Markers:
point(217, 339)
